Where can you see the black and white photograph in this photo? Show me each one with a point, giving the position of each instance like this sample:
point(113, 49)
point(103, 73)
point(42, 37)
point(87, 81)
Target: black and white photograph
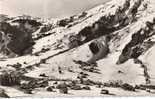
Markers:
point(77, 48)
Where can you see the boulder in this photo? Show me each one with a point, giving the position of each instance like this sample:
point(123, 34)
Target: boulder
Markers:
point(50, 88)
point(104, 91)
point(86, 88)
point(99, 49)
point(28, 91)
point(3, 94)
point(43, 75)
point(62, 88)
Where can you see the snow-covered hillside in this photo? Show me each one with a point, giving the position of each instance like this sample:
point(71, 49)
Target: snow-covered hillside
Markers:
point(113, 44)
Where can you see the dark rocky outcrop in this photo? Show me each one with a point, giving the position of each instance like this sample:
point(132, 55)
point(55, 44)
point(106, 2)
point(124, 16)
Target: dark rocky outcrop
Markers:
point(106, 24)
point(18, 36)
point(65, 22)
point(34, 84)
point(50, 88)
point(94, 48)
point(45, 28)
point(76, 87)
point(21, 39)
point(104, 91)
point(10, 79)
point(3, 17)
point(146, 74)
point(74, 41)
point(31, 22)
point(99, 49)
point(139, 44)
point(128, 87)
point(63, 88)
point(86, 88)
point(83, 14)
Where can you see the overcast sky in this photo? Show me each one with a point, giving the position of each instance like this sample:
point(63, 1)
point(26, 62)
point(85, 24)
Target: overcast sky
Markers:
point(46, 8)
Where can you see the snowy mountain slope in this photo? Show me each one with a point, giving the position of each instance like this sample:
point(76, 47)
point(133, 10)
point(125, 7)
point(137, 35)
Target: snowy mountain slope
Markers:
point(131, 28)
point(148, 60)
point(111, 42)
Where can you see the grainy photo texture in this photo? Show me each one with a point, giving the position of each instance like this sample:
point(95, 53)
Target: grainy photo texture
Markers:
point(77, 48)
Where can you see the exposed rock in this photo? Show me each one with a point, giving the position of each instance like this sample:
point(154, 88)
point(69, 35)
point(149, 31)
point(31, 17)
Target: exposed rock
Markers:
point(88, 82)
point(128, 87)
point(3, 94)
point(43, 75)
point(140, 87)
point(63, 88)
point(3, 17)
point(146, 74)
point(34, 84)
point(116, 28)
point(60, 70)
point(45, 28)
point(82, 75)
point(99, 85)
point(139, 43)
point(63, 22)
point(21, 39)
point(148, 90)
point(61, 85)
point(16, 66)
point(76, 87)
point(50, 88)
point(83, 15)
point(99, 49)
point(43, 83)
point(103, 91)
point(105, 25)
point(28, 91)
point(10, 78)
point(72, 83)
point(27, 86)
point(117, 83)
point(74, 41)
point(43, 61)
point(43, 50)
point(147, 86)
point(55, 83)
point(86, 88)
